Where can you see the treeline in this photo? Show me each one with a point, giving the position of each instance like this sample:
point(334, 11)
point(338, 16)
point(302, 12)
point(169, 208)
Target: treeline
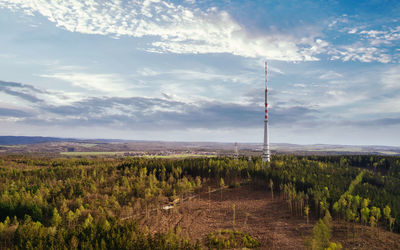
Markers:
point(387, 165)
point(54, 196)
point(60, 198)
point(102, 234)
point(361, 194)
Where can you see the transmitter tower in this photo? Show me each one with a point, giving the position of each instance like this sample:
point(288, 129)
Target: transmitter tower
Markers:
point(266, 157)
point(236, 155)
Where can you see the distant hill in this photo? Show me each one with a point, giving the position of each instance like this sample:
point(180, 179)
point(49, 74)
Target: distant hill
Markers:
point(19, 140)
point(21, 144)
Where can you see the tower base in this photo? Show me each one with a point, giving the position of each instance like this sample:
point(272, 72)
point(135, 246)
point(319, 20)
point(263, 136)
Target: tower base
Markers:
point(266, 157)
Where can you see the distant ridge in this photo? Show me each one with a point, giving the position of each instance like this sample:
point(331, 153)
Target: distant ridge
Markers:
point(57, 144)
point(18, 140)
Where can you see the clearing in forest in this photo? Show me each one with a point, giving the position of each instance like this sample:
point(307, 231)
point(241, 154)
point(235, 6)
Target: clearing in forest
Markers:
point(257, 214)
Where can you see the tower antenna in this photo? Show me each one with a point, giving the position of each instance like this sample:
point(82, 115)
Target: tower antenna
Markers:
point(236, 155)
point(266, 154)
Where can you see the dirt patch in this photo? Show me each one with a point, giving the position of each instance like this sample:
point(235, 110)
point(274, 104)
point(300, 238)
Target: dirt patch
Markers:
point(267, 220)
point(257, 214)
point(353, 236)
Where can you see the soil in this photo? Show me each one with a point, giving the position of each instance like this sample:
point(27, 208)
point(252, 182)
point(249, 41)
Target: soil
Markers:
point(257, 214)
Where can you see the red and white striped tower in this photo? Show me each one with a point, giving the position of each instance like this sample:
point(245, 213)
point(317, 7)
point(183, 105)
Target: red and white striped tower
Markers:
point(266, 154)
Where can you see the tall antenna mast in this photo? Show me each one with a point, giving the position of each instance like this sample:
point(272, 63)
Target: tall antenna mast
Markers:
point(266, 154)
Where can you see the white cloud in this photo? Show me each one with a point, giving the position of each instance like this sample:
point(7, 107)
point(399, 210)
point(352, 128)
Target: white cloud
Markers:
point(276, 70)
point(368, 41)
point(175, 28)
point(339, 21)
point(299, 85)
point(357, 52)
point(330, 75)
point(147, 72)
point(57, 98)
point(101, 82)
point(391, 78)
point(186, 29)
point(322, 95)
point(352, 31)
point(209, 75)
point(204, 74)
point(381, 37)
point(383, 106)
point(340, 98)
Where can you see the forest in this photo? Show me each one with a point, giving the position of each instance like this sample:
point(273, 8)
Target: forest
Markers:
point(94, 203)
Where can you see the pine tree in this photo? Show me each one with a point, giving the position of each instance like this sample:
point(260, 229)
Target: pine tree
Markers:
point(306, 212)
point(386, 213)
point(320, 235)
point(70, 217)
point(222, 185)
point(56, 219)
point(88, 221)
point(271, 186)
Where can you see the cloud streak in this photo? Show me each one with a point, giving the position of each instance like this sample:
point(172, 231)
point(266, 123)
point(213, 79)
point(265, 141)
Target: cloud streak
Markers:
point(100, 82)
point(187, 29)
point(152, 113)
point(391, 78)
point(172, 27)
point(357, 52)
point(365, 43)
point(25, 92)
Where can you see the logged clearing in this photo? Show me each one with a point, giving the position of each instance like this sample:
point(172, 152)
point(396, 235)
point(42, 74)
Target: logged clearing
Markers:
point(266, 219)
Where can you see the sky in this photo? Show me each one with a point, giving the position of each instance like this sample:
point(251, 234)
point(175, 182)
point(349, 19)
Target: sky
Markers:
point(193, 70)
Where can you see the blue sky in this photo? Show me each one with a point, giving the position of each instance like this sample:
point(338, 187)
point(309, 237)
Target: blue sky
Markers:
point(192, 70)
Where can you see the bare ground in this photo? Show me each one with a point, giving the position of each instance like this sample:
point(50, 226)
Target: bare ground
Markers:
point(266, 219)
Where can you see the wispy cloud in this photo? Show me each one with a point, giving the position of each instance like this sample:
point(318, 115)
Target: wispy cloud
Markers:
point(14, 113)
point(389, 105)
point(365, 41)
point(330, 75)
point(357, 52)
point(33, 96)
point(391, 78)
point(186, 29)
point(276, 70)
point(101, 82)
point(151, 113)
point(386, 36)
point(174, 28)
point(335, 98)
point(25, 92)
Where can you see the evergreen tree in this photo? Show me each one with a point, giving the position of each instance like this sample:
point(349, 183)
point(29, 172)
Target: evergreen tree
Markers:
point(56, 219)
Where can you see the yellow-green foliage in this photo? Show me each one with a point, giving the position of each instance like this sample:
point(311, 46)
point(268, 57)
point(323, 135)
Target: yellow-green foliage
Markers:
point(321, 235)
point(228, 239)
